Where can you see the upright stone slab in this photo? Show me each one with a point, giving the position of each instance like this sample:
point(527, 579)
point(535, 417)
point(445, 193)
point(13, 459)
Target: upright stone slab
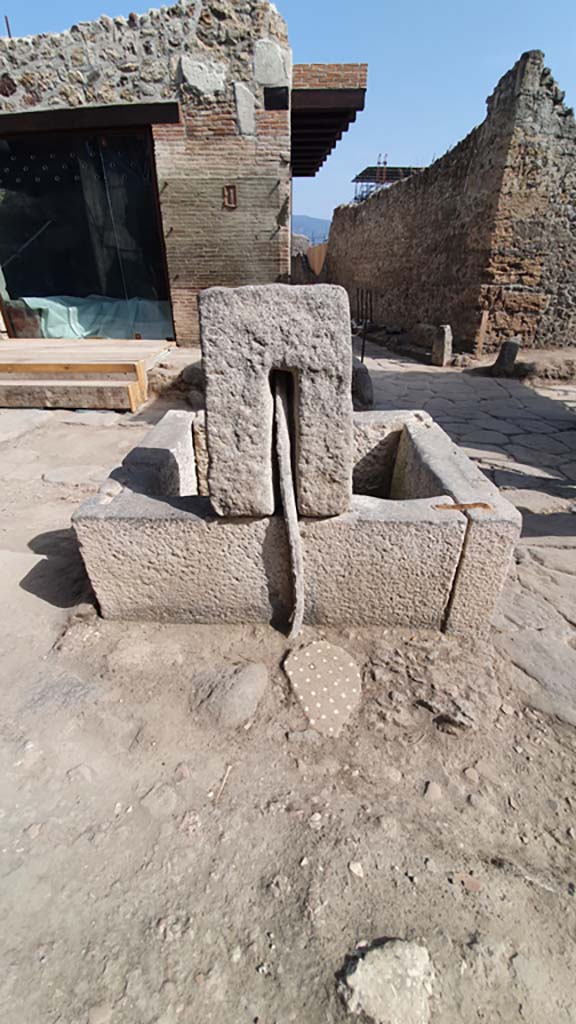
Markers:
point(246, 334)
point(442, 346)
point(164, 462)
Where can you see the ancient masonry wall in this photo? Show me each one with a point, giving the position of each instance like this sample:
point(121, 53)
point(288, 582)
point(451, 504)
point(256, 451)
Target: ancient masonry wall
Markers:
point(485, 238)
point(529, 286)
point(215, 57)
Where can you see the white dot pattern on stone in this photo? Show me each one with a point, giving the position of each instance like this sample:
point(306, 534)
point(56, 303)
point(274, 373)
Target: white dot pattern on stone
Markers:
point(329, 685)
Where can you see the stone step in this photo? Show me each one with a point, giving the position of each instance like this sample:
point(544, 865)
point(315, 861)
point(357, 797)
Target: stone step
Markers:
point(56, 393)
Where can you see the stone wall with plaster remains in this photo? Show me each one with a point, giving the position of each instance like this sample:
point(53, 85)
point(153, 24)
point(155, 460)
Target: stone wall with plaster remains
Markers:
point(216, 58)
point(484, 238)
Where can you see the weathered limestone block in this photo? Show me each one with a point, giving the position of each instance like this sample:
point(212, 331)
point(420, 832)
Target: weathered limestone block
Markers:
point(504, 365)
point(245, 109)
point(164, 461)
point(442, 346)
point(272, 64)
point(429, 463)
point(177, 562)
point(362, 387)
point(246, 333)
point(381, 563)
point(201, 451)
point(435, 556)
point(390, 984)
point(206, 77)
point(434, 339)
point(376, 439)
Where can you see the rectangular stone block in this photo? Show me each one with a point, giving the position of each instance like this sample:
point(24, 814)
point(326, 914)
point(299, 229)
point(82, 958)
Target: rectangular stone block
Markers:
point(164, 462)
point(381, 563)
point(176, 561)
point(428, 463)
point(247, 334)
point(384, 563)
point(442, 346)
point(376, 439)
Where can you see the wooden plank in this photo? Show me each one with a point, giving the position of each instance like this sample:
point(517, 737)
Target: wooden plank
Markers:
point(136, 390)
point(74, 343)
point(346, 100)
point(135, 396)
point(56, 368)
point(77, 347)
point(142, 377)
point(35, 351)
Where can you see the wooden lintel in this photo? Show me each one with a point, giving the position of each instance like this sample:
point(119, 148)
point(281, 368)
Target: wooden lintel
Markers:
point(328, 99)
point(73, 119)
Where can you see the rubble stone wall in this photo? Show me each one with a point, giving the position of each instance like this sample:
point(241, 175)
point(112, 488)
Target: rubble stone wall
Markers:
point(483, 239)
point(530, 281)
point(215, 57)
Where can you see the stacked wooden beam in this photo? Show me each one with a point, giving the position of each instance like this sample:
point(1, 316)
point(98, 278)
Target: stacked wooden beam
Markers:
point(87, 374)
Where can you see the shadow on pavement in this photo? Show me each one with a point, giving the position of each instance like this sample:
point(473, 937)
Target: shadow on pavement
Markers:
point(60, 577)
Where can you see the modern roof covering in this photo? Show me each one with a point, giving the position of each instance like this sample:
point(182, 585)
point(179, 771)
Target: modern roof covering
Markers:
point(384, 175)
point(325, 101)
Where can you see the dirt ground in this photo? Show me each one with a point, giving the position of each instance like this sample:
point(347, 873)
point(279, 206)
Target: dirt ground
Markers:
point(159, 869)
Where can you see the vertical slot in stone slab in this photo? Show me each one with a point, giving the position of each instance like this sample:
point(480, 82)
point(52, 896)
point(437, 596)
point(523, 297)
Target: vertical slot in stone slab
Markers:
point(287, 381)
point(246, 333)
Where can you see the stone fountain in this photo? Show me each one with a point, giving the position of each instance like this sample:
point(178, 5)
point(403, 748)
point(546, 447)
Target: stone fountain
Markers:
point(280, 504)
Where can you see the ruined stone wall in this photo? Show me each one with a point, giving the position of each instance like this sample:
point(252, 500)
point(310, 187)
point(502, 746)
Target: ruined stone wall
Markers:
point(215, 57)
point(530, 282)
point(484, 239)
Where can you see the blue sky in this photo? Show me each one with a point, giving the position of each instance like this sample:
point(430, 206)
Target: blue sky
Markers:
point(432, 65)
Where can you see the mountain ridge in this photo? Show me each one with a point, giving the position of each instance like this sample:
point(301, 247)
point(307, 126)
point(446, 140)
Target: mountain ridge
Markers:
point(316, 229)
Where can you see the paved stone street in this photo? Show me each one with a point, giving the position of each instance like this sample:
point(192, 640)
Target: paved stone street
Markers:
point(525, 441)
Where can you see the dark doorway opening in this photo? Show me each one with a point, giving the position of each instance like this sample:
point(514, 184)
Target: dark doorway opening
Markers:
point(81, 245)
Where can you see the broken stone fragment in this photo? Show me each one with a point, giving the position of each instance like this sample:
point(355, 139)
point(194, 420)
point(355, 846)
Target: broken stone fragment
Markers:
point(204, 77)
point(111, 488)
point(272, 63)
point(504, 365)
point(245, 109)
point(390, 984)
point(442, 346)
point(231, 697)
point(362, 389)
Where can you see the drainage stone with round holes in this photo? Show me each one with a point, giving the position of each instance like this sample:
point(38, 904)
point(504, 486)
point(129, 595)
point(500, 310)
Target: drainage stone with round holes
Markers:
point(327, 683)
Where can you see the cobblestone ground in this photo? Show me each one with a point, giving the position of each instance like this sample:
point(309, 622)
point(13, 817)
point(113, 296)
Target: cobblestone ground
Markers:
point(524, 440)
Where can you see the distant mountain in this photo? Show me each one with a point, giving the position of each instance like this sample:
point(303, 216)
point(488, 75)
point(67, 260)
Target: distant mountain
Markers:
point(316, 229)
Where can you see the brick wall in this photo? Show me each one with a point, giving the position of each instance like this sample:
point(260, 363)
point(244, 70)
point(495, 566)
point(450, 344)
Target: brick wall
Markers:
point(330, 76)
point(488, 231)
point(206, 243)
point(215, 57)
